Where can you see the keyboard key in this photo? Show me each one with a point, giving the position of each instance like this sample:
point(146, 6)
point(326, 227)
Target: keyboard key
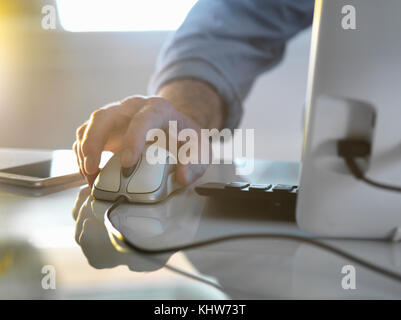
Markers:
point(259, 187)
point(237, 185)
point(282, 188)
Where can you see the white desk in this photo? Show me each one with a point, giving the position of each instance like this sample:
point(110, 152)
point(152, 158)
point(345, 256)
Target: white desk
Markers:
point(39, 231)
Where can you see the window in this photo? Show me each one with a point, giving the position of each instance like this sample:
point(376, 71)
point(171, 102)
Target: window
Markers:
point(122, 15)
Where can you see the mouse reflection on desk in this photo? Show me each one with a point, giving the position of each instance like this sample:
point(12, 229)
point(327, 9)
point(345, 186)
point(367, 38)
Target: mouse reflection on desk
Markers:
point(142, 183)
point(95, 241)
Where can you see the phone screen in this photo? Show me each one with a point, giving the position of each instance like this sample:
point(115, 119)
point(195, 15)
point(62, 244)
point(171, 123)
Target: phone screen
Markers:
point(61, 163)
point(37, 170)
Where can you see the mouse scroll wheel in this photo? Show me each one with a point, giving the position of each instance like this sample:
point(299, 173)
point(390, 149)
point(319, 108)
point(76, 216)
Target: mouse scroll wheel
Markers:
point(126, 172)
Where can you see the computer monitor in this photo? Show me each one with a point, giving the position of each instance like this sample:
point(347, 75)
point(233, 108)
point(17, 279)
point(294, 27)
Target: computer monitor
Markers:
point(354, 92)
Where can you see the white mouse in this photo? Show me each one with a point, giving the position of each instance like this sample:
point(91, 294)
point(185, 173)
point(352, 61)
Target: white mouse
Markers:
point(142, 183)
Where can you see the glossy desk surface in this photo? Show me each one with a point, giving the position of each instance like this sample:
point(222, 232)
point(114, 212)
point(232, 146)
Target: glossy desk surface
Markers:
point(65, 230)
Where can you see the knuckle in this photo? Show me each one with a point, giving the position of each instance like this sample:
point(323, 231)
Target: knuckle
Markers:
point(163, 107)
point(158, 102)
point(110, 106)
point(133, 100)
point(80, 131)
point(98, 114)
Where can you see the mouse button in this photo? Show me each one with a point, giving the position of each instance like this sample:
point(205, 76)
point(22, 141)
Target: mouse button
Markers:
point(126, 172)
point(109, 177)
point(147, 178)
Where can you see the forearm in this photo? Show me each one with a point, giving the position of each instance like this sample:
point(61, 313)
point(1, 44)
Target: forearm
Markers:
point(197, 100)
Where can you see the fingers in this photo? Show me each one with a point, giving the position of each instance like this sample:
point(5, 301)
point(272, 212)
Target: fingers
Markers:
point(155, 114)
point(74, 147)
point(102, 125)
point(77, 148)
point(124, 126)
point(99, 128)
point(89, 178)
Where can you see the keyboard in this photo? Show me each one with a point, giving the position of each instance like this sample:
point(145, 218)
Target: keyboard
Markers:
point(244, 190)
point(276, 201)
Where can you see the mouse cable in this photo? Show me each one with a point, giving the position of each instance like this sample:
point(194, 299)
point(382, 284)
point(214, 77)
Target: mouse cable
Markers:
point(225, 290)
point(349, 150)
point(203, 243)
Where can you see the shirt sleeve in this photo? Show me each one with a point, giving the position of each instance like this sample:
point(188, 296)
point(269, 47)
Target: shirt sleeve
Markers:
point(228, 43)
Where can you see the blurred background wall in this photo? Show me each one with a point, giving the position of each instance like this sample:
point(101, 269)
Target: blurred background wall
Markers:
point(51, 80)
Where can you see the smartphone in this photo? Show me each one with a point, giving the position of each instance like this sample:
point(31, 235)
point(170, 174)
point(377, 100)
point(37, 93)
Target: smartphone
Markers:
point(60, 168)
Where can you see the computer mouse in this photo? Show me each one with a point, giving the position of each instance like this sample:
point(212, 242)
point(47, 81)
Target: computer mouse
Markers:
point(142, 183)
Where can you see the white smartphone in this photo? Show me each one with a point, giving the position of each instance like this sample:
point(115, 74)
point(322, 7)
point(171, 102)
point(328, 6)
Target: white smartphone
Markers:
point(58, 168)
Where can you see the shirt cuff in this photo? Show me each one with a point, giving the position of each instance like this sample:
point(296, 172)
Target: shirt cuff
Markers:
point(197, 68)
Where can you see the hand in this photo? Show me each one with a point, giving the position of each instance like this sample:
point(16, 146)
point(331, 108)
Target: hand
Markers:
point(123, 126)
